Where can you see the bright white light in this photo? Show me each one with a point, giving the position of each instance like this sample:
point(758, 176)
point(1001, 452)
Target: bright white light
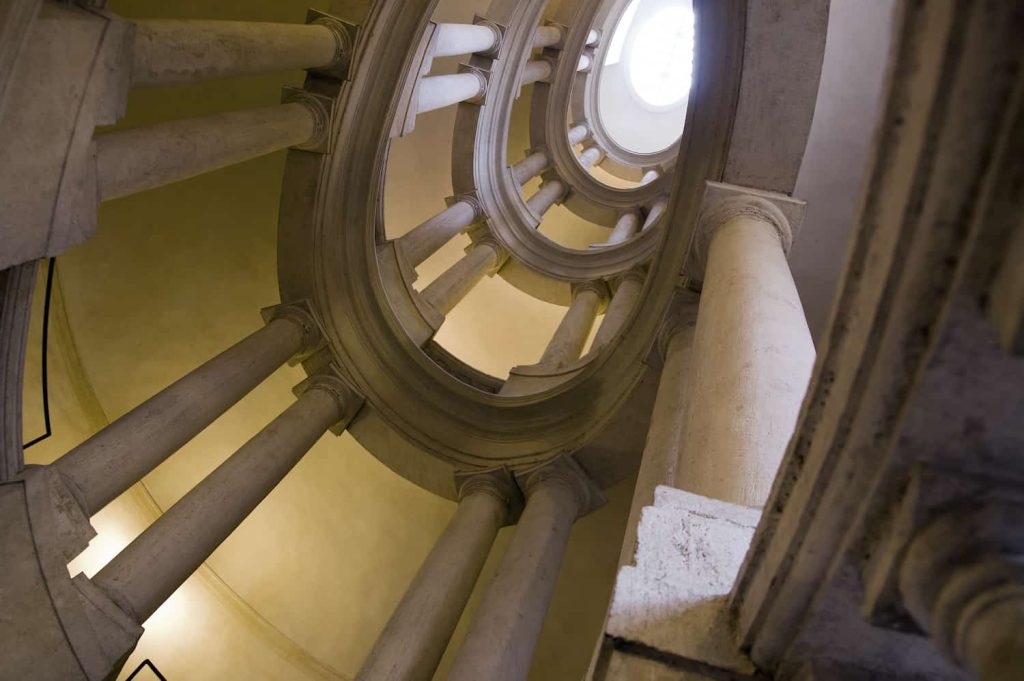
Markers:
point(661, 58)
point(614, 55)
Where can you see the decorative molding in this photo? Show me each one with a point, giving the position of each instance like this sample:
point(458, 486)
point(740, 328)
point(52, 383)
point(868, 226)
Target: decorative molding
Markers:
point(497, 482)
point(499, 34)
point(333, 381)
point(345, 36)
point(300, 312)
point(322, 108)
point(724, 203)
point(484, 76)
point(563, 470)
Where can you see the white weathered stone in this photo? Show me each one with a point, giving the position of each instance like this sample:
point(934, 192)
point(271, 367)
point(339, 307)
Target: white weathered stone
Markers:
point(689, 550)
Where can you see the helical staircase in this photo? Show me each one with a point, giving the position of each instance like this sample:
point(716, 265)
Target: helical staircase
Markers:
point(536, 447)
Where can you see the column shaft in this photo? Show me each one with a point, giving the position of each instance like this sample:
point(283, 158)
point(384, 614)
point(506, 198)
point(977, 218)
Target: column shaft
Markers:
point(503, 634)
point(656, 211)
point(437, 92)
point(649, 177)
point(584, 63)
point(535, 70)
point(625, 228)
point(445, 292)
point(546, 197)
point(665, 434)
point(589, 157)
point(114, 459)
point(415, 638)
point(130, 161)
point(530, 167)
point(753, 357)
point(425, 239)
point(152, 567)
point(571, 335)
point(455, 39)
point(185, 51)
point(546, 36)
point(578, 133)
point(619, 309)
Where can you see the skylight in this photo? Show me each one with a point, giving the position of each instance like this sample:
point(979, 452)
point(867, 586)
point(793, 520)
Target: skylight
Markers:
point(660, 60)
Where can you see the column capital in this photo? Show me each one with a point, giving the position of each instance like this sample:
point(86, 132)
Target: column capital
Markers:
point(563, 470)
point(344, 38)
point(496, 482)
point(962, 562)
point(470, 198)
point(483, 75)
point(322, 108)
point(301, 313)
point(332, 381)
point(482, 236)
point(596, 285)
point(637, 274)
point(499, 35)
point(682, 314)
point(723, 203)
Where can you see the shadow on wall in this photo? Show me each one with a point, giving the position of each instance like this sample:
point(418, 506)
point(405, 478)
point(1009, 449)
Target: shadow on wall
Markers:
point(845, 119)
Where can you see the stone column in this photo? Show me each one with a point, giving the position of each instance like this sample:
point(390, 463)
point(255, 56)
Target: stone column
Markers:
point(530, 167)
point(665, 434)
point(621, 306)
point(445, 292)
point(415, 638)
point(753, 352)
point(107, 464)
point(503, 634)
point(185, 51)
point(626, 227)
point(130, 161)
point(572, 333)
point(151, 568)
point(578, 133)
point(656, 211)
point(455, 39)
point(549, 194)
point(536, 69)
point(546, 36)
point(590, 157)
point(962, 580)
point(424, 240)
point(437, 92)
point(584, 63)
point(649, 177)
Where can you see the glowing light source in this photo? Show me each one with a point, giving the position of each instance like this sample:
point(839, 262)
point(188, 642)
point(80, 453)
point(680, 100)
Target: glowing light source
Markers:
point(660, 61)
point(614, 55)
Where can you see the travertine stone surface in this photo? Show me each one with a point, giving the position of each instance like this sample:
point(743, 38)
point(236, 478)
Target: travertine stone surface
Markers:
point(673, 599)
point(753, 352)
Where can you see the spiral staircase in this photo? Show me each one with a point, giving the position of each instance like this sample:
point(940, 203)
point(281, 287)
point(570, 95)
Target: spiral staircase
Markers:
point(791, 517)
